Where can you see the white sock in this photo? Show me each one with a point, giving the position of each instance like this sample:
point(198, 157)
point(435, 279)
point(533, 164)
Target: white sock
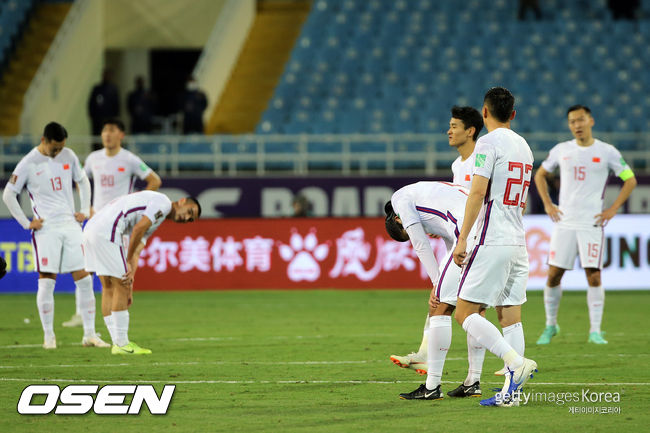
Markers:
point(514, 335)
point(45, 304)
point(110, 325)
point(552, 296)
point(596, 302)
point(121, 327)
point(475, 357)
point(423, 345)
point(86, 302)
point(439, 342)
point(489, 336)
point(77, 298)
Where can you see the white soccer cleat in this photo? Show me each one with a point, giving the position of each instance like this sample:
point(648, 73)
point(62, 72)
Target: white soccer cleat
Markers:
point(94, 341)
point(501, 372)
point(414, 361)
point(74, 321)
point(49, 343)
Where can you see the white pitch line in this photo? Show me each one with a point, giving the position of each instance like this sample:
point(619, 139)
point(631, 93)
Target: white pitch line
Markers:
point(154, 364)
point(300, 382)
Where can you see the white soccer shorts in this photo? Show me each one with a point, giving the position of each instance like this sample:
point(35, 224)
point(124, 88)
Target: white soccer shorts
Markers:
point(567, 243)
point(103, 257)
point(495, 275)
point(57, 249)
point(447, 287)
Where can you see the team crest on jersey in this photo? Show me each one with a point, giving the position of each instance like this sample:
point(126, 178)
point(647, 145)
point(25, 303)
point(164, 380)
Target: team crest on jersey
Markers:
point(595, 159)
point(13, 179)
point(44, 261)
point(121, 169)
point(158, 215)
point(480, 160)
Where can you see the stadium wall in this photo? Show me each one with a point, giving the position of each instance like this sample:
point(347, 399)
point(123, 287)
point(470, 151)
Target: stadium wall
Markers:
point(318, 253)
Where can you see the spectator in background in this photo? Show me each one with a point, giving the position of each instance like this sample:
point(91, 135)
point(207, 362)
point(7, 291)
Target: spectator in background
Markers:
point(301, 206)
point(623, 9)
point(104, 102)
point(141, 105)
point(193, 104)
point(524, 5)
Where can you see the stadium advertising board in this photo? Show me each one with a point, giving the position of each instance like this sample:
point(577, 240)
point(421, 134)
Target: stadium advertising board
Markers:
point(343, 253)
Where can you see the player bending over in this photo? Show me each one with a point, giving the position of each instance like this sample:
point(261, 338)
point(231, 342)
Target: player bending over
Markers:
point(136, 215)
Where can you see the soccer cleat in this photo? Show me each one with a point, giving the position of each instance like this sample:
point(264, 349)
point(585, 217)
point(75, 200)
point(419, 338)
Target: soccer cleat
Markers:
point(422, 393)
point(129, 349)
point(549, 332)
point(473, 390)
point(49, 343)
point(515, 380)
point(596, 338)
point(94, 341)
point(501, 372)
point(414, 361)
point(74, 321)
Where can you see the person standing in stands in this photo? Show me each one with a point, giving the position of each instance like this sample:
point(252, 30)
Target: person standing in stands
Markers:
point(193, 104)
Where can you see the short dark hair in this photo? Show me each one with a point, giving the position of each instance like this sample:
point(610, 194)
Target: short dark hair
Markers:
point(500, 102)
point(470, 117)
point(394, 229)
point(114, 121)
point(578, 107)
point(54, 131)
point(195, 201)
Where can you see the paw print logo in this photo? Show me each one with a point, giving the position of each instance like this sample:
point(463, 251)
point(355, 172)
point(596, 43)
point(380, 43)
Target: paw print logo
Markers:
point(303, 255)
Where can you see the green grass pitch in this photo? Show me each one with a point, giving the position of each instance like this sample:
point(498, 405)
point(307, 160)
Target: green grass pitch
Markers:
point(317, 361)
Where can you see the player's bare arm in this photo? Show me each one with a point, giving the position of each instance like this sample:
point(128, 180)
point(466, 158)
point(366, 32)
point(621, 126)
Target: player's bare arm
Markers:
point(603, 218)
point(472, 209)
point(153, 181)
point(550, 208)
point(134, 246)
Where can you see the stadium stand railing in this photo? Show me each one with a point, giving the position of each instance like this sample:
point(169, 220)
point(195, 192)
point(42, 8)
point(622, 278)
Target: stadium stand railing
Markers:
point(305, 154)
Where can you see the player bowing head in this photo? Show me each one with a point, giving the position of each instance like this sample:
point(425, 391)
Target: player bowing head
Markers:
point(185, 210)
point(393, 223)
point(53, 140)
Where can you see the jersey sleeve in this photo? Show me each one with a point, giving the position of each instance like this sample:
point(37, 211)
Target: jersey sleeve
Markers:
point(78, 173)
point(615, 161)
point(552, 160)
point(404, 207)
point(138, 167)
point(88, 166)
point(18, 178)
point(156, 210)
point(486, 156)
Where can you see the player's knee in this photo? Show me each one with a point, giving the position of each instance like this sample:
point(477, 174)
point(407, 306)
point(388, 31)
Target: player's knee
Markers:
point(593, 278)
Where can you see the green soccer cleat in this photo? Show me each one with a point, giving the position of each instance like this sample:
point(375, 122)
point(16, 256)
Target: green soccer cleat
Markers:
point(596, 338)
point(549, 332)
point(129, 349)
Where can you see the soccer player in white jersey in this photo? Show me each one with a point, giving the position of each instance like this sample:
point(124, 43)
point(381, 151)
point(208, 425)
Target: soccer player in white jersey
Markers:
point(136, 215)
point(496, 271)
point(414, 212)
point(584, 163)
point(113, 170)
point(464, 127)
point(47, 172)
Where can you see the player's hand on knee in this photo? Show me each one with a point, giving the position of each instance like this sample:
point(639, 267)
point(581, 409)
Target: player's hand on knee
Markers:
point(434, 301)
point(36, 224)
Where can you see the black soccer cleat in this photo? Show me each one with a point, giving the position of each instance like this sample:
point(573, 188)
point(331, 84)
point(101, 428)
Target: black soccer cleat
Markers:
point(422, 393)
point(473, 390)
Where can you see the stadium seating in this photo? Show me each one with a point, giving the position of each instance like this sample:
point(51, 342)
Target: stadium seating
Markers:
point(397, 66)
point(12, 16)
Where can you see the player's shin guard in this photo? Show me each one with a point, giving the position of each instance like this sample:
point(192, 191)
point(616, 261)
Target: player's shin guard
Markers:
point(121, 327)
point(439, 341)
point(514, 335)
point(596, 302)
point(489, 336)
point(45, 304)
point(110, 325)
point(552, 297)
point(475, 357)
point(86, 303)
